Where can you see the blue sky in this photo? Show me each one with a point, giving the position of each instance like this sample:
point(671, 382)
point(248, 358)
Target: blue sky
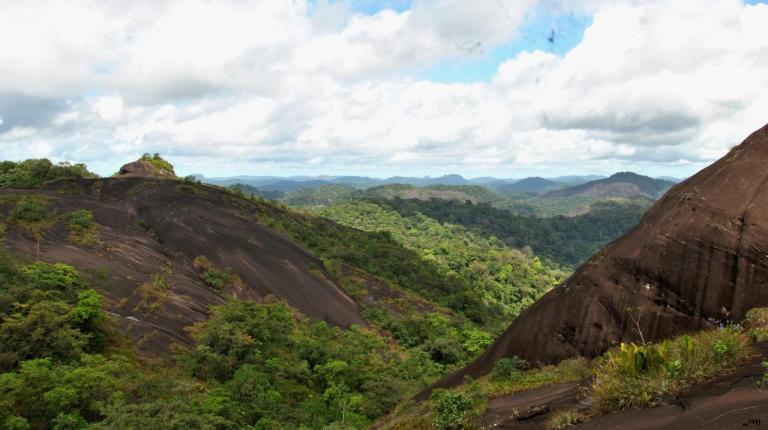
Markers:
point(542, 30)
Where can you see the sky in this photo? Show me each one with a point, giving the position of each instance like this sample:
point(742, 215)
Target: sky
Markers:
point(505, 88)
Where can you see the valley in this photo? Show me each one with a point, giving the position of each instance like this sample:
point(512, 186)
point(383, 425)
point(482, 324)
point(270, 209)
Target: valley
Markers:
point(336, 310)
point(332, 306)
point(188, 274)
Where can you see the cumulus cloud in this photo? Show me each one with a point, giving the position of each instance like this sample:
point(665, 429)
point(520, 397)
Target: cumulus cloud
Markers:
point(246, 86)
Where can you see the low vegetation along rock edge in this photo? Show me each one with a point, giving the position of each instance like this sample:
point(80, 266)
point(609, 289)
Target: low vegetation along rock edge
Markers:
point(629, 376)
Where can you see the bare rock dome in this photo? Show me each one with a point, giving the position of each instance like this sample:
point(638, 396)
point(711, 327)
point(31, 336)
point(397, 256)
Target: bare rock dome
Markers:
point(698, 258)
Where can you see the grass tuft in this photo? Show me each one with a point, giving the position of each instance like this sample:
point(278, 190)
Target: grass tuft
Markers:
point(565, 418)
point(638, 376)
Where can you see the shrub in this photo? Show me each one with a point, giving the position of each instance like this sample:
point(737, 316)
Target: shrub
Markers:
point(451, 409)
point(61, 278)
point(82, 229)
point(153, 293)
point(144, 225)
point(217, 279)
point(213, 277)
point(509, 368)
point(564, 419)
point(565, 371)
point(31, 215)
point(159, 162)
point(202, 263)
point(764, 379)
point(756, 322)
point(30, 210)
point(640, 376)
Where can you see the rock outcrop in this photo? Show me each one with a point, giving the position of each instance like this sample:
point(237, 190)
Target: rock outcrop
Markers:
point(698, 258)
point(150, 228)
point(147, 167)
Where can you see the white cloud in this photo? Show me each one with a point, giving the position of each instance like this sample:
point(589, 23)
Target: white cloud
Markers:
point(276, 84)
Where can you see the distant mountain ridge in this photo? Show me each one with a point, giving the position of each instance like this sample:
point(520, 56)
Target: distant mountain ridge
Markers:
point(293, 183)
point(622, 184)
point(532, 185)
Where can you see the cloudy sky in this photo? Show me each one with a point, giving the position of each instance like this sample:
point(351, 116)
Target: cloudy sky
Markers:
point(508, 88)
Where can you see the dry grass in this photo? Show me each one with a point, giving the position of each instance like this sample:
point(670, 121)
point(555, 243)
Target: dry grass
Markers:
point(565, 418)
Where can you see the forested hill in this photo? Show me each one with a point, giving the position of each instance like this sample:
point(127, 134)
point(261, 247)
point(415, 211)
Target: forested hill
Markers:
point(531, 185)
point(565, 240)
point(622, 184)
point(276, 318)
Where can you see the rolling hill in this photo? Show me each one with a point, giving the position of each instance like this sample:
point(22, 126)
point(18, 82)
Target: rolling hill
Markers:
point(623, 184)
point(531, 185)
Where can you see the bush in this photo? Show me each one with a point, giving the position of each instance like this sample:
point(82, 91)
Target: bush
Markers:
point(153, 293)
point(60, 278)
point(30, 210)
point(756, 322)
point(213, 277)
point(82, 229)
point(451, 409)
point(509, 368)
point(159, 162)
point(202, 263)
point(33, 173)
point(640, 376)
point(566, 371)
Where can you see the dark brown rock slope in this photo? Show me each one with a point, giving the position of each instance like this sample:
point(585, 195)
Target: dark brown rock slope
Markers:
point(155, 227)
point(699, 256)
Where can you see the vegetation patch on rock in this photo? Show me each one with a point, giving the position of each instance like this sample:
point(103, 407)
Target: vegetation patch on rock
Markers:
point(82, 228)
point(218, 279)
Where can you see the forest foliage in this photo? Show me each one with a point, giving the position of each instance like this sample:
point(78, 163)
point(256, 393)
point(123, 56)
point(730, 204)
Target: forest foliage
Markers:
point(254, 365)
point(34, 172)
point(564, 240)
point(503, 279)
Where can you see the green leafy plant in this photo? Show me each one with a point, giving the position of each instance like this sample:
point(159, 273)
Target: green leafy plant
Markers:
point(34, 172)
point(720, 348)
point(30, 210)
point(82, 228)
point(217, 279)
point(31, 215)
point(509, 368)
point(764, 379)
point(450, 409)
point(640, 375)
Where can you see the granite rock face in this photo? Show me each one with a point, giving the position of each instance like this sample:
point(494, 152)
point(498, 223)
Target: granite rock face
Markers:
point(144, 169)
point(156, 227)
point(698, 258)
